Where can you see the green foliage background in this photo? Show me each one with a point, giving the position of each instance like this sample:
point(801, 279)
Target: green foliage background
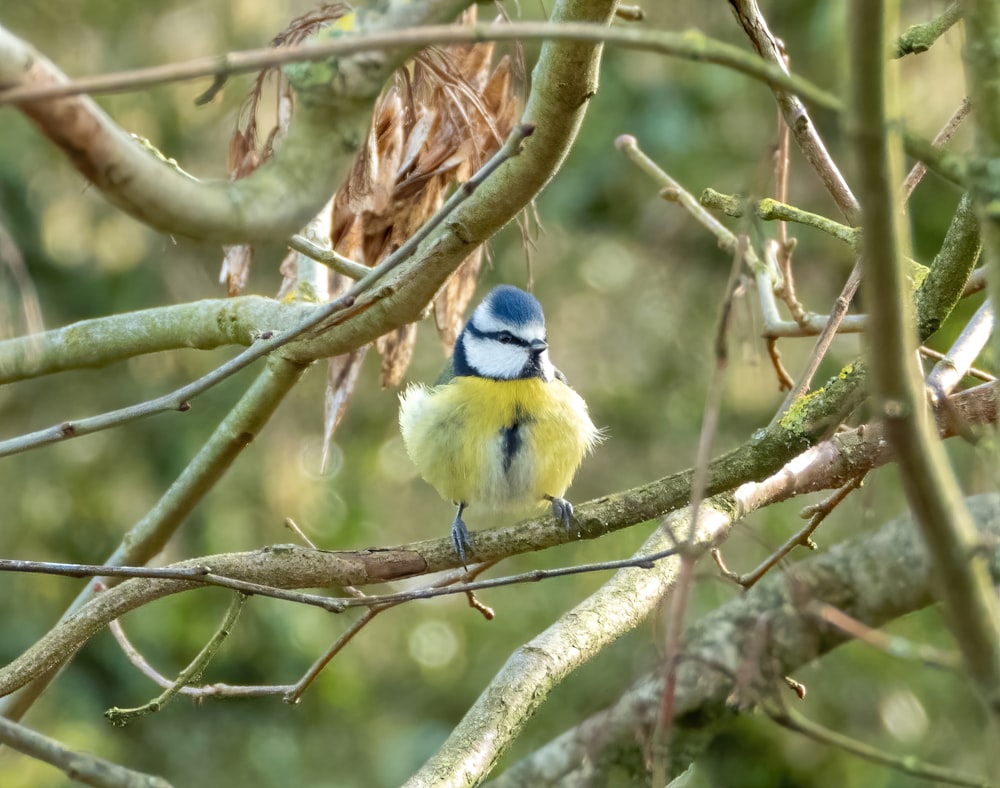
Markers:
point(631, 287)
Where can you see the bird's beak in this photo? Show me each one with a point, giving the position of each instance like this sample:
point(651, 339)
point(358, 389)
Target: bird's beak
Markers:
point(537, 346)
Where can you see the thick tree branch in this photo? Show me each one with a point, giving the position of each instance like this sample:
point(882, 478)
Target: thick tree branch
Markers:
point(205, 325)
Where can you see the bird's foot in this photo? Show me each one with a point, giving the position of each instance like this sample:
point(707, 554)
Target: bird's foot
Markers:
point(460, 538)
point(562, 510)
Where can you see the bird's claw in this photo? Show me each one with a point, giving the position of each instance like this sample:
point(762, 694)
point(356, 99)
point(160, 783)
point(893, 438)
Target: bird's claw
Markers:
point(460, 539)
point(562, 510)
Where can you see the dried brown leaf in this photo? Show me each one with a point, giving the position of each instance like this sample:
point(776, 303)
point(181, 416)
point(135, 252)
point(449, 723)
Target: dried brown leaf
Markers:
point(19, 304)
point(245, 152)
point(341, 377)
point(396, 348)
point(454, 297)
point(236, 262)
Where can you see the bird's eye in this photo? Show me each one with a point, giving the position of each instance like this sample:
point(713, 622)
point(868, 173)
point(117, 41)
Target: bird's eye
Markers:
point(506, 337)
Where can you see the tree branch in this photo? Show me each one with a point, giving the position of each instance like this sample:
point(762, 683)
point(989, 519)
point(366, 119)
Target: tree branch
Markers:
point(147, 537)
point(271, 203)
point(931, 488)
point(80, 767)
point(850, 576)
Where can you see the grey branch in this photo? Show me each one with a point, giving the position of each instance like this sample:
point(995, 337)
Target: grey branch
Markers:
point(874, 579)
point(80, 767)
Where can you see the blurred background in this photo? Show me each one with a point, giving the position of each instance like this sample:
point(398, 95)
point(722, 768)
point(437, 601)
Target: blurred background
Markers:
point(631, 286)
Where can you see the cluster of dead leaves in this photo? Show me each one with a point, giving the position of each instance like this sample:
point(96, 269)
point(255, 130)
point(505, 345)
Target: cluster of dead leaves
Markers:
point(442, 117)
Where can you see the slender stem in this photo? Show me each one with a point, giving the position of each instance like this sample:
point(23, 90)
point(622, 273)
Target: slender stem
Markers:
point(770, 209)
point(891, 644)
point(801, 538)
point(823, 342)
point(802, 126)
point(917, 172)
point(147, 537)
point(328, 257)
point(190, 674)
point(794, 721)
point(920, 38)
point(690, 45)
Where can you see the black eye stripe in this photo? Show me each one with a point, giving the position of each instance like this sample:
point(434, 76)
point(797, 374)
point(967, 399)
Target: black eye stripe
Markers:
point(504, 337)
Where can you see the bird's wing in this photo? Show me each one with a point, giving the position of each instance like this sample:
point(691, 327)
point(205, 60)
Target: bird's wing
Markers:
point(447, 374)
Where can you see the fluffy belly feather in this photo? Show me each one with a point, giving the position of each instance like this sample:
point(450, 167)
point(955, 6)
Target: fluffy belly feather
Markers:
point(498, 444)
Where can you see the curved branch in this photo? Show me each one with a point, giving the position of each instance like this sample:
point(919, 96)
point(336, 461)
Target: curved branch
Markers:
point(204, 325)
point(274, 201)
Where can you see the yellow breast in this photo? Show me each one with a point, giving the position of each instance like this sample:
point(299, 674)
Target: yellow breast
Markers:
point(498, 444)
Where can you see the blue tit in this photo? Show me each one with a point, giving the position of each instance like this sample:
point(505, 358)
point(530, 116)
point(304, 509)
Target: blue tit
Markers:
point(501, 429)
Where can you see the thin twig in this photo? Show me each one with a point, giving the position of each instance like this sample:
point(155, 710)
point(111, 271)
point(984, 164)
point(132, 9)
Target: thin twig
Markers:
point(769, 209)
point(685, 45)
point(317, 321)
point(328, 257)
point(673, 191)
point(917, 172)
point(806, 136)
point(785, 382)
point(905, 764)
point(765, 273)
point(826, 337)
point(685, 580)
point(785, 287)
point(192, 672)
point(328, 603)
point(218, 690)
point(295, 692)
point(920, 38)
point(972, 372)
point(805, 323)
point(803, 538)
point(894, 645)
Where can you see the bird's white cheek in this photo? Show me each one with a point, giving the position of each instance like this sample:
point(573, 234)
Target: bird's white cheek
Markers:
point(493, 359)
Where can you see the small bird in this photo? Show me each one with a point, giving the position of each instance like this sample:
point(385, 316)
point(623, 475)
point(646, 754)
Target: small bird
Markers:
point(501, 429)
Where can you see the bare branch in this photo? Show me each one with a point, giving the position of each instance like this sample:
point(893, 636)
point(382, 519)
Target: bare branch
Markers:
point(933, 493)
point(716, 646)
point(80, 767)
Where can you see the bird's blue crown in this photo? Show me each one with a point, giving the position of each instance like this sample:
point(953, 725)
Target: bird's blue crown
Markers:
point(513, 305)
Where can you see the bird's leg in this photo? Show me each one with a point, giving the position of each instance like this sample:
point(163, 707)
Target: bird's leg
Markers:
point(460, 538)
point(562, 510)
